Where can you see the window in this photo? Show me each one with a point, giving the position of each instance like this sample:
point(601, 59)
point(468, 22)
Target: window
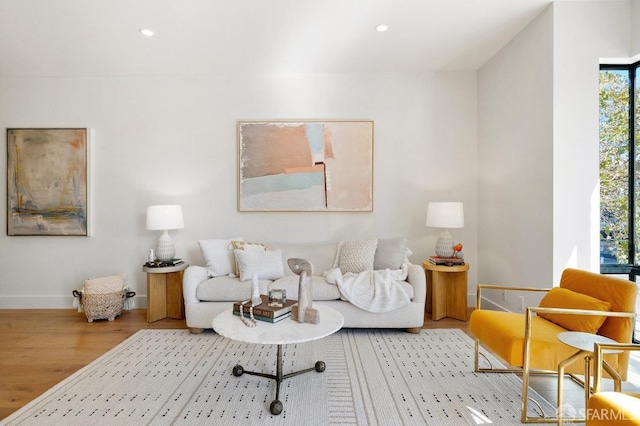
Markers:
point(619, 167)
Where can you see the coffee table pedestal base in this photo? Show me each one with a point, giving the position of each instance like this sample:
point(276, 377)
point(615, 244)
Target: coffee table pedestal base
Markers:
point(276, 405)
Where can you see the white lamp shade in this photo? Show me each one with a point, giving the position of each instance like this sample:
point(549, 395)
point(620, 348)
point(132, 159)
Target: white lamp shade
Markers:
point(445, 215)
point(164, 217)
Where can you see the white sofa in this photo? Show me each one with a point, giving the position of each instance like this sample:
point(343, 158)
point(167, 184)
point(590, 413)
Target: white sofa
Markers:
point(206, 296)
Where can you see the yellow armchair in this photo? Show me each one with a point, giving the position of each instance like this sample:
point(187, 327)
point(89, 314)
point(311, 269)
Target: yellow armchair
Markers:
point(528, 342)
point(611, 408)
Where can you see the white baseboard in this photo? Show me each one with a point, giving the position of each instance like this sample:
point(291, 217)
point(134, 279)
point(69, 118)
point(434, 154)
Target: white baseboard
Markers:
point(52, 302)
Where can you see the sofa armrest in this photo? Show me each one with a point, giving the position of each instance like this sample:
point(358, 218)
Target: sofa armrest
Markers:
point(418, 280)
point(193, 276)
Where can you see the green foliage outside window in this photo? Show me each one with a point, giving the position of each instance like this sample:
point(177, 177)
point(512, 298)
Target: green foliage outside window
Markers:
point(614, 166)
point(619, 167)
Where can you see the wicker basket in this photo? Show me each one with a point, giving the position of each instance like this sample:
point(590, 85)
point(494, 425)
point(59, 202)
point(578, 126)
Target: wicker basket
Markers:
point(103, 306)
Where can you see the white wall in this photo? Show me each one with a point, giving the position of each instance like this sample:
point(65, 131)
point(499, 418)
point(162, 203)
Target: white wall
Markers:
point(538, 145)
point(635, 29)
point(515, 175)
point(584, 32)
point(172, 139)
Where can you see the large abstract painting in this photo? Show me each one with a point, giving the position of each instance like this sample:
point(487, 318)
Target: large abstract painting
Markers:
point(47, 181)
point(305, 166)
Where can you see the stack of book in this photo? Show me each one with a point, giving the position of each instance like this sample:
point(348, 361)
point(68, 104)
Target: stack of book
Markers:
point(264, 312)
point(448, 261)
point(164, 264)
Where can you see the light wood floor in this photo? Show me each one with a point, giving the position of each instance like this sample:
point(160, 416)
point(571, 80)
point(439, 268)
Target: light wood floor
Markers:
point(39, 348)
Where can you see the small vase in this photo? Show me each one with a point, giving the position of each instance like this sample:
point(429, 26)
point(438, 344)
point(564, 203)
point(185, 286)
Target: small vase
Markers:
point(305, 295)
point(255, 291)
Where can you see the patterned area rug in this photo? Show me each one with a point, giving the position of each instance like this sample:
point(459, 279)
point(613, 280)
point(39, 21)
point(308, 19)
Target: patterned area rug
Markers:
point(376, 377)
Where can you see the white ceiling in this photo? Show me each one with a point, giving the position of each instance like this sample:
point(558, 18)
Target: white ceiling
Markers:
point(100, 37)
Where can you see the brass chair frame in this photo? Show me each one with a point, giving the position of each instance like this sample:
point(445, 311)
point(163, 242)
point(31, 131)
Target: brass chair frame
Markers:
point(600, 363)
point(598, 351)
point(526, 369)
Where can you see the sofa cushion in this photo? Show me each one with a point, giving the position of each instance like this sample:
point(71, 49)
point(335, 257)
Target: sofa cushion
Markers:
point(322, 290)
point(267, 265)
point(564, 298)
point(218, 254)
point(357, 255)
point(321, 255)
point(227, 289)
point(390, 253)
point(503, 333)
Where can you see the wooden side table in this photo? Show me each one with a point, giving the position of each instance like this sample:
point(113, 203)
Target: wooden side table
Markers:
point(164, 292)
point(446, 290)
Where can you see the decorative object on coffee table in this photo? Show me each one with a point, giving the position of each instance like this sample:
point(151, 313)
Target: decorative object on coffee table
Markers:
point(304, 311)
point(277, 297)
point(251, 321)
point(255, 291)
point(263, 311)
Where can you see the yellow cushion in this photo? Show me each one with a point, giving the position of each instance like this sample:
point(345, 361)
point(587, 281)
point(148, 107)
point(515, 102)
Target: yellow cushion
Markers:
point(564, 298)
point(621, 293)
point(613, 408)
point(503, 333)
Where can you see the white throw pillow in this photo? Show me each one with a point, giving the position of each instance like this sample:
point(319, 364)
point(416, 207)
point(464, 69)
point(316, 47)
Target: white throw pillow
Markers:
point(246, 246)
point(219, 256)
point(357, 255)
point(267, 264)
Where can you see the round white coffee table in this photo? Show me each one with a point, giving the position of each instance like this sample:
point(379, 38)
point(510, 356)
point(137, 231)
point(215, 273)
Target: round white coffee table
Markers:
point(281, 333)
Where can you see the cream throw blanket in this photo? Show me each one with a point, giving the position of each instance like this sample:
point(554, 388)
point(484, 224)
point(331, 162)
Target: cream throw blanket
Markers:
point(372, 291)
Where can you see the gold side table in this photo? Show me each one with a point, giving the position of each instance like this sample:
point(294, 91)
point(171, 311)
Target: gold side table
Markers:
point(446, 290)
point(164, 292)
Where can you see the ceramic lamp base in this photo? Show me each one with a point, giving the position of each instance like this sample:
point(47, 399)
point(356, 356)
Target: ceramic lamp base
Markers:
point(444, 245)
point(165, 249)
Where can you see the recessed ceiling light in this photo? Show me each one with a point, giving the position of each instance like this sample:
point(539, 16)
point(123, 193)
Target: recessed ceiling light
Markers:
point(146, 32)
point(381, 28)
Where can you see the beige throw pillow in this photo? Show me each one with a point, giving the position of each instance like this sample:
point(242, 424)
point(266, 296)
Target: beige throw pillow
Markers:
point(357, 255)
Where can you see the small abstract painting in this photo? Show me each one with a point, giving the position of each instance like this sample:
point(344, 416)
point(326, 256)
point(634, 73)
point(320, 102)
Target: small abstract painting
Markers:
point(47, 182)
point(305, 166)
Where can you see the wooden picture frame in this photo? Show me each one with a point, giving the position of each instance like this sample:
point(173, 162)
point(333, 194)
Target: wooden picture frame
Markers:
point(47, 182)
point(305, 166)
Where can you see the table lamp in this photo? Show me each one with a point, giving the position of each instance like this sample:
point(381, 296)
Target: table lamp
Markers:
point(445, 215)
point(163, 218)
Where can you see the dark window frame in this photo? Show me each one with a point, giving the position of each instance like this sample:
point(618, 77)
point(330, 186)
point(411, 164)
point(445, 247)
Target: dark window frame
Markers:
point(626, 268)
